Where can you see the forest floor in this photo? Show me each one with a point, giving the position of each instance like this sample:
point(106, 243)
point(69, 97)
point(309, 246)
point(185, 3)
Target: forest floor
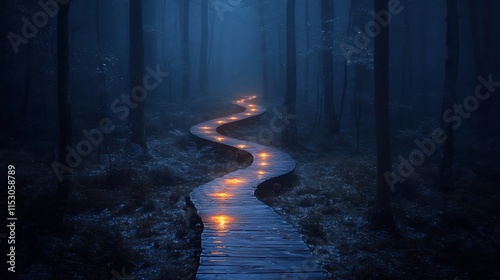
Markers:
point(131, 219)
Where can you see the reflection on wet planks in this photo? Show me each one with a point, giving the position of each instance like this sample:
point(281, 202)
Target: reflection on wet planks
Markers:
point(243, 238)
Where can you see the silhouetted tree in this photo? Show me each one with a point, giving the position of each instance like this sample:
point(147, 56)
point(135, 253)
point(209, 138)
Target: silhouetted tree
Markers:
point(137, 71)
point(204, 47)
point(263, 49)
point(290, 131)
point(65, 124)
point(184, 9)
point(327, 54)
point(481, 13)
point(64, 108)
point(382, 215)
point(450, 94)
point(23, 114)
point(308, 52)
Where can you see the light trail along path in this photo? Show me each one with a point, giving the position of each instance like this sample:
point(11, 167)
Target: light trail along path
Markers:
point(243, 238)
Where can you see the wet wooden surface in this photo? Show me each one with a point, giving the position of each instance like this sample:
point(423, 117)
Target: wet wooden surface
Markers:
point(243, 238)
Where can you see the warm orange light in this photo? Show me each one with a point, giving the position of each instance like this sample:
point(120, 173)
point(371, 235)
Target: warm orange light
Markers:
point(253, 109)
point(250, 105)
point(233, 181)
point(241, 146)
point(264, 163)
point(263, 155)
point(221, 221)
point(233, 118)
point(220, 139)
point(220, 195)
point(261, 172)
point(220, 121)
point(248, 114)
point(205, 127)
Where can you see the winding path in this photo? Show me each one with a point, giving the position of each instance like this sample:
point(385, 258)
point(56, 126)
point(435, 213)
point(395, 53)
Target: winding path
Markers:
point(243, 238)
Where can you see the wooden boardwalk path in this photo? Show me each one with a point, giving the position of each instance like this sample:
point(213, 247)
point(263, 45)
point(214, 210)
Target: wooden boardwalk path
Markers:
point(243, 238)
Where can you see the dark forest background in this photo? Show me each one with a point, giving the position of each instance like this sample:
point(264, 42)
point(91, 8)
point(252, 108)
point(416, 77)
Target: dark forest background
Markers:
point(395, 130)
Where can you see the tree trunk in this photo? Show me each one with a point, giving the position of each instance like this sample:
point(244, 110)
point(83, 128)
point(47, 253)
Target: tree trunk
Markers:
point(328, 78)
point(290, 131)
point(263, 49)
point(308, 54)
point(64, 108)
point(136, 72)
point(27, 85)
point(480, 21)
point(185, 47)
point(450, 94)
point(65, 125)
point(382, 215)
point(204, 47)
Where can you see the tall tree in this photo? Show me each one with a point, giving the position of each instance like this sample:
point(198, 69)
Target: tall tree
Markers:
point(64, 108)
point(184, 8)
point(204, 47)
point(450, 94)
point(136, 71)
point(481, 14)
point(65, 125)
point(327, 54)
point(382, 215)
point(290, 131)
point(308, 52)
point(27, 84)
point(263, 49)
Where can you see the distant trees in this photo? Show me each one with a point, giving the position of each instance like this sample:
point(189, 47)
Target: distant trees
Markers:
point(382, 215)
point(327, 59)
point(290, 131)
point(263, 49)
point(64, 107)
point(136, 71)
point(204, 48)
point(481, 16)
point(450, 94)
point(184, 16)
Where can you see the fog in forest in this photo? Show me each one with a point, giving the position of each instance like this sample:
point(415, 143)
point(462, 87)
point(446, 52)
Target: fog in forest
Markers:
point(132, 132)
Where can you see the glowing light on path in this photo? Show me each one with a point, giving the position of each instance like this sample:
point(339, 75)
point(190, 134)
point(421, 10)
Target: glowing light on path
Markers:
point(220, 139)
point(241, 146)
point(263, 155)
point(233, 118)
point(220, 122)
point(233, 181)
point(222, 222)
point(221, 195)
